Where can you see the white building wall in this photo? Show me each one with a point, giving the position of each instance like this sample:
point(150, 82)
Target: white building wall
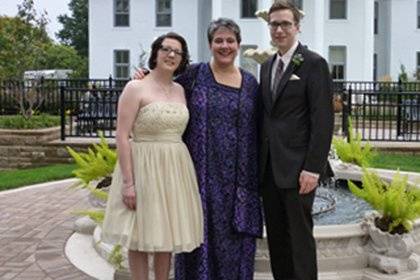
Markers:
point(404, 37)
point(104, 38)
point(397, 42)
point(356, 33)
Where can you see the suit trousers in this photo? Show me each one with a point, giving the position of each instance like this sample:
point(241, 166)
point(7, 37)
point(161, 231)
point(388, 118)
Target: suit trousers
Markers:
point(289, 225)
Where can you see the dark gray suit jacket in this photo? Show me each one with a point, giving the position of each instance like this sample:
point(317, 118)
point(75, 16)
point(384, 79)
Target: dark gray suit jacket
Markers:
point(296, 128)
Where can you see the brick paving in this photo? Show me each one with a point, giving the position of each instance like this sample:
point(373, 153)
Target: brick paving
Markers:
point(35, 224)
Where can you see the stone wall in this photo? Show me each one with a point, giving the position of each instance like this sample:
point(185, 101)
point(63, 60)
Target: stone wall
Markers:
point(37, 147)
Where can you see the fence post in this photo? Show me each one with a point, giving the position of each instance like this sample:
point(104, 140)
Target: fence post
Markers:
point(346, 110)
point(110, 81)
point(399, 103)
point(62, 114)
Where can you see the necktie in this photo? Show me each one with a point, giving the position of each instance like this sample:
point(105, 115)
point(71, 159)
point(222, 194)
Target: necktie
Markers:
point(277, 78)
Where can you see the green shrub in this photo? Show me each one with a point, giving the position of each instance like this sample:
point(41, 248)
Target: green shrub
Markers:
point(397, 202)
point(20, 122)
point(352, 151)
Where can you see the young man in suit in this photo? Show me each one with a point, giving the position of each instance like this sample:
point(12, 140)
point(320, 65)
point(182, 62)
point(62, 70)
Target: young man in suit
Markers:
point(297, 126)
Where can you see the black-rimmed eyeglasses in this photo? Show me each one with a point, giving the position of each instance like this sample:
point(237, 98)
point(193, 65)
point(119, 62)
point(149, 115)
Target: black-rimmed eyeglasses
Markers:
point(168, 50)
point(285, 25)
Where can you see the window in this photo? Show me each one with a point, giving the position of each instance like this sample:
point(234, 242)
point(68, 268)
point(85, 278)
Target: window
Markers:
point(121, 64)
point(337, 59)
point(375, 20)
point(248, 8)
point(163, 13)
point(248, 63)
point(418, 13)
point(338, 9)
point(121, 13)
point(375, 66)
point(297, 3)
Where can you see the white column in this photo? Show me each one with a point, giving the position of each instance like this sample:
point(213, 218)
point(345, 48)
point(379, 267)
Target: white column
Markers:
point(217, 7)
point(369, 40)
point(319, 28)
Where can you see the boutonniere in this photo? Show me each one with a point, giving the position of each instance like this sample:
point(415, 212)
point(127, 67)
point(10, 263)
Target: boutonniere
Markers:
point(297, 59)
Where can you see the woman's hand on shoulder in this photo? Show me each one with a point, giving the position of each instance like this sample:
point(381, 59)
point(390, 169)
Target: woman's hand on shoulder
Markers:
point(140, 73)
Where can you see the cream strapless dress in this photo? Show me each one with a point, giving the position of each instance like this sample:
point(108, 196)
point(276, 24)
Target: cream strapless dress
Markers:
point(168, 216)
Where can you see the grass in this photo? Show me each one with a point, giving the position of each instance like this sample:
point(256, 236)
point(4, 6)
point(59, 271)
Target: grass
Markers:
point(10, 179)
point(396, 161)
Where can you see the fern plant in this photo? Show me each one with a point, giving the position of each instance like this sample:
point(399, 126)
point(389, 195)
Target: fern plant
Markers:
point(397, 201)
point(97, 163)
point(116, 258)
point(352, 151)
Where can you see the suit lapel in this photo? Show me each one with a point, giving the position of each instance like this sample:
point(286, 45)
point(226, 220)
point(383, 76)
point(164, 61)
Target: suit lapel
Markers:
point(287, 74)
point(266, 82)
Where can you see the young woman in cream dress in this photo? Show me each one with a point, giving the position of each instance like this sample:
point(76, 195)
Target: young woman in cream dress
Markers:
point(154, 204)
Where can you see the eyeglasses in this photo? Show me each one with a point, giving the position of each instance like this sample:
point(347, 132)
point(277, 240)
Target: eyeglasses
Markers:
point(168, 50)
point(285, 25)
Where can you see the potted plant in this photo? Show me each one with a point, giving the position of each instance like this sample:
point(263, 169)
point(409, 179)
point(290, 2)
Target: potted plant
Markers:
point(397, 205)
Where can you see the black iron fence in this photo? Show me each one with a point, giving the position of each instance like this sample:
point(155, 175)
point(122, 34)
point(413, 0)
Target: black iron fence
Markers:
point(381, 111)
point(85, 112)
point(47, 91)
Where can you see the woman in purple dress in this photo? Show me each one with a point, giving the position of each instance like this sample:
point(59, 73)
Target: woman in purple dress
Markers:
point(222, 139)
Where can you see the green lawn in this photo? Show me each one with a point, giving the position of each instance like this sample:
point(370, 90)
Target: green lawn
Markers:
point(18, 178)
point(395, 161)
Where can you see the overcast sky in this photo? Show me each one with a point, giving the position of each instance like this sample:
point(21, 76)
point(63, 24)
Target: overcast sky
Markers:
point(53, 8)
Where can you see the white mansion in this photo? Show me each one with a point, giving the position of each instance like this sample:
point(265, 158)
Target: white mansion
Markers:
point(362, 40)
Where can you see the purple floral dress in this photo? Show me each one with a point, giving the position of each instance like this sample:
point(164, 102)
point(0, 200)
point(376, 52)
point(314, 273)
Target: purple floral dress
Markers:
point(222, 139)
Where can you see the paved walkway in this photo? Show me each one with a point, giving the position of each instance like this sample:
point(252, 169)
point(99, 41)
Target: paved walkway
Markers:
point(35, 224)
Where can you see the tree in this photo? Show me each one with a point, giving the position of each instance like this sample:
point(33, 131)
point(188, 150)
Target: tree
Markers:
point(22, 45)
point(57, 56)
point(25, 45)
point(27, 12)
point(75, 30)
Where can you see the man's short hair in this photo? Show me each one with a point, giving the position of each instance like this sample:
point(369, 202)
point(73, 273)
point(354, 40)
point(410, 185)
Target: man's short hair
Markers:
point(286, 5)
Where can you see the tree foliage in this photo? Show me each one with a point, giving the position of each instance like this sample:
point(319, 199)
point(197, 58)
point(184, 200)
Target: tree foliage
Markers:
point(25, 45)
point(75, 30)
point(57, 56)
point(22, 45)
